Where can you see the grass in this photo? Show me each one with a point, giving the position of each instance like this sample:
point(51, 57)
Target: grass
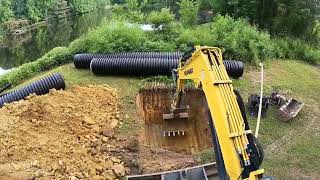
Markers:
point(292, 148)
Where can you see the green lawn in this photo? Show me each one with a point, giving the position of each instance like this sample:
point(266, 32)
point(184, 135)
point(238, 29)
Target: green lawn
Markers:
point(292, 148)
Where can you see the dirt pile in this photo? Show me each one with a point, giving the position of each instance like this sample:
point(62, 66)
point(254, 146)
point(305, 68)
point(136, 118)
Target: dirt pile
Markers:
point(62, 135)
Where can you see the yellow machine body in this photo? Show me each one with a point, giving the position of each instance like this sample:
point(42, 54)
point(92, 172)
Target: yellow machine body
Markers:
point(206, 69)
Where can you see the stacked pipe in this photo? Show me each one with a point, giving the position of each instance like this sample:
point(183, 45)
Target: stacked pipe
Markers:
point(40, 87)
point(84, 60)
point(149, 66)
point(133, 66)
point(141, 63)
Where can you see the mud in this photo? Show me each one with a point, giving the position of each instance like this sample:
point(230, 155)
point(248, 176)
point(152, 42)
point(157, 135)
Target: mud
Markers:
point(154, 101)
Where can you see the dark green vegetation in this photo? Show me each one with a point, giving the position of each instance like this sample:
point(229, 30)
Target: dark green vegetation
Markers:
point(238, 39)
point(36, 10)
point(279, 17)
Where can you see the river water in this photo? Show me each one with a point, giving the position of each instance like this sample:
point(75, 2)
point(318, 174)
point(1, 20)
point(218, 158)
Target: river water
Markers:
point(17, 50)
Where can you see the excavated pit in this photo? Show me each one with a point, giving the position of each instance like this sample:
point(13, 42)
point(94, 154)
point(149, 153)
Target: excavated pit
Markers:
point(187, 136)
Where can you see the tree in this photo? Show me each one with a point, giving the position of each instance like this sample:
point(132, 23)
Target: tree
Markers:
point(188, 12)
point(161, 20)
point(280, 17)
point(6, 12)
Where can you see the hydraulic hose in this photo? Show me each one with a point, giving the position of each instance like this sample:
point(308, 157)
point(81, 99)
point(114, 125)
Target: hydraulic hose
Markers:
point(40, 87)
point(255, 147)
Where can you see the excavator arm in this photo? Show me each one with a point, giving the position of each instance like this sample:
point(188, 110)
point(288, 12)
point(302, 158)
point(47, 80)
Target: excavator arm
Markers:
point(237, 147)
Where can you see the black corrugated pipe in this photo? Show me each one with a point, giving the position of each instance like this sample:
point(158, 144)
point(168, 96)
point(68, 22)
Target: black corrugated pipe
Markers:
point(234, 68)
point(83, 60)
point(40, 87)
point(149, 66)
point(133, 66)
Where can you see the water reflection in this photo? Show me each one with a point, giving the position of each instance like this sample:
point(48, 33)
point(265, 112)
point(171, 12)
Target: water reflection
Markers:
point(17, 50)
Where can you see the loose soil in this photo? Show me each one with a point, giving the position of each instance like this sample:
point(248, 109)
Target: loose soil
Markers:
point(74, 135)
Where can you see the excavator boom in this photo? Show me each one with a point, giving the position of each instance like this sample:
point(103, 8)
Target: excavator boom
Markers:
point(237, 150)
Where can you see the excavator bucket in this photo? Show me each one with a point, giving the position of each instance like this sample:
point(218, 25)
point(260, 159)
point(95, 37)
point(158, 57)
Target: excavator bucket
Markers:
point(178, 113)
point(175, 122)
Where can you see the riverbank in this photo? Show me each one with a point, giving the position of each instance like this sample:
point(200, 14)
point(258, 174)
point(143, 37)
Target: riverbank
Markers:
point(19, 49)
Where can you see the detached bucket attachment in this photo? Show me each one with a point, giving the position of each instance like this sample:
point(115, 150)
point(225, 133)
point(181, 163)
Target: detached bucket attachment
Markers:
point(288, 107)
point(291, 109)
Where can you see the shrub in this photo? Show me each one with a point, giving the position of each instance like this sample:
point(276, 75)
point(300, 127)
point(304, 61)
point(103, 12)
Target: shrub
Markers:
point(55, 57)
point(164, 24)
point(297, 49)
point(131, 11)
point(81, 6)
point(116, 37)
point(161, 20)
point(239, 40)
point(188, 12)
point(119, 37)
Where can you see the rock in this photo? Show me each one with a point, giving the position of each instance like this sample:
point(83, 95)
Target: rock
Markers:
point(38, 174)
point(99, 169)
point(93, 151)
point(98, 177)
point(108, 132)
point(126, 116)
point(60, 162)
point(47, 168)
point(88, 120)
point(119, 170)
point(128, 171)
point(108, 164)
point(109, 175)
point(114, 124)
point(133, 145)
point(104, 148)
point(105, 139)
point(115, 160)
point(73, 178)
point(96, 128)
point(35, 163)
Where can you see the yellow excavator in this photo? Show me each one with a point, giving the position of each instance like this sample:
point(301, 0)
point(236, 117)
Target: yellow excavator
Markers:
point(238, 153)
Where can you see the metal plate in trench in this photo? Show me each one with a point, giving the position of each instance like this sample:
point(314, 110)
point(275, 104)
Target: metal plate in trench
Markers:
point(203, 172)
